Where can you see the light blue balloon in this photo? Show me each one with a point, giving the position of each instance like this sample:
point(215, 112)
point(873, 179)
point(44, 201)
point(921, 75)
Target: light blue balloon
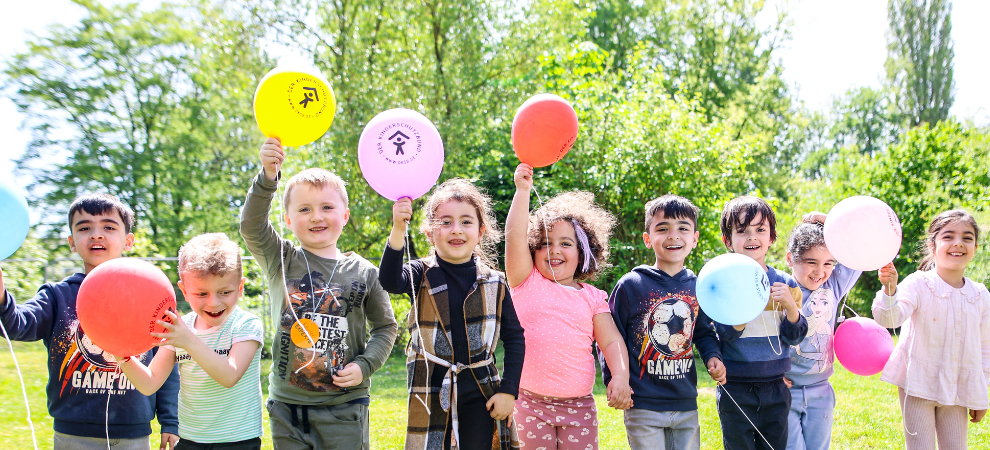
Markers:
point(14, 218)
point(733, 289)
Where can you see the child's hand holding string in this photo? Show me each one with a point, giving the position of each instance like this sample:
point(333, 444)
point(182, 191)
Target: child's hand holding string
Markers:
point(781, 293)
point(176, 334)
point(716, 369)
point(888, 277)
point(500, 406)
point(272, 155)
point(350, 375)
point(523, 177)
point(401, 215)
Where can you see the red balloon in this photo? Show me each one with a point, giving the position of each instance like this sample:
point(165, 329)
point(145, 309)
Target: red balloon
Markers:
point(119, 302)
point(863, 346)
point(544, 129)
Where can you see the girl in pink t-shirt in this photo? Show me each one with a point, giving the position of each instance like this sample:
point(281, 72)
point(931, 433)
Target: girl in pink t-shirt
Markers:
point(546, 256)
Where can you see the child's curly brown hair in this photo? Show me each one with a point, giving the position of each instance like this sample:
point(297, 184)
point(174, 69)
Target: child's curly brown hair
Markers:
point(580, 207)
point(465, 191)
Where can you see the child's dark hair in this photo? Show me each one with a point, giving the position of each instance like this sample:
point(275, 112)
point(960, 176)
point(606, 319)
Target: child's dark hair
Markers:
point(804, 237)
point(673, 207)
point(740, 211)
point(575, 207)
point(940, 221)
point(97, 204)
point(465, 191)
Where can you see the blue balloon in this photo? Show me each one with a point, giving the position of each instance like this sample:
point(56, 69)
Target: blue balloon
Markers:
point(733, 289)
point(14, 218)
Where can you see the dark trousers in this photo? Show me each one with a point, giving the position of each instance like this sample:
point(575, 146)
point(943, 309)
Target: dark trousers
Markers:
point(250, 444)
point(765, 404)
point(476, 424)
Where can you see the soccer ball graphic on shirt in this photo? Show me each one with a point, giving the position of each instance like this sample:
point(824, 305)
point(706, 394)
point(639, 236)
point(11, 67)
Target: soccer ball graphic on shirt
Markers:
point(670, 326)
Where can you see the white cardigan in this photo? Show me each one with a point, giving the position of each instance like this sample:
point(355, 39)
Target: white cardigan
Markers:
point(944, 350)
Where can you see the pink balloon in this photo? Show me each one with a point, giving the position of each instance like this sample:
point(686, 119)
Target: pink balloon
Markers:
point(863, 233)
point(863, 346)
point(401, 154)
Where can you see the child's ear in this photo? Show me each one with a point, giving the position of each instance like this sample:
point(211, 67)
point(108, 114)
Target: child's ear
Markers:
point(697, 235)
point(288, 221)
point(240, 290)
point(347, 215)
point(646, 239)
point(727, 242)
point(182, 287)
point(129, 242)
point(790, 259)
point(72, 244)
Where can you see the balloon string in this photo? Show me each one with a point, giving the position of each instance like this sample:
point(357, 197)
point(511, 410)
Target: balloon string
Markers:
point(312, 299)
point(546, 233)
point(726, 391)
point(780, 350)
point(415, 312)
point(106, 417)
point(17, 366)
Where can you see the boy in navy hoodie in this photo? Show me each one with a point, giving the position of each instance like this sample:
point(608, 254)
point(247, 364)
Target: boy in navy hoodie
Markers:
point(756, 354)
point(657, 313)
point(81, 375)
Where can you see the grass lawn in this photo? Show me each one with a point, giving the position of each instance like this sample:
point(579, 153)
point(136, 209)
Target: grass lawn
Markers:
point(867, 415)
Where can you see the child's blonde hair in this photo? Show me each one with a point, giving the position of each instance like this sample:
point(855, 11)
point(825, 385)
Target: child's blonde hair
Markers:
point(465, 191)
point(318, 178)
point(210, 254)
point(577, 207)
point(940, 221)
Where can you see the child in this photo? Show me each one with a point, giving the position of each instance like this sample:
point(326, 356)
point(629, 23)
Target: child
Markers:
point(80, 374)
point(565, 242)
point(328, 302)
point(755, 354)
point(217, 347)
point(824, 283)
point(657, 313)
point(942, 361)
point(461, 308)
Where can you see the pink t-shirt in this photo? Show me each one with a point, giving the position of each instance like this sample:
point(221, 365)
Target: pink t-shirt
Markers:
point(559, 333)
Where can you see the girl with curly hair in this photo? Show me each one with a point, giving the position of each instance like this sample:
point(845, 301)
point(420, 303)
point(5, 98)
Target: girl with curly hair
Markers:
point(461, 307)
point(547, 256)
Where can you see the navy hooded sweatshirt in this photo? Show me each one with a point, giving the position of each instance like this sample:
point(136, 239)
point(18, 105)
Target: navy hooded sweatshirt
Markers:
point(659, 319)
point(81, 376)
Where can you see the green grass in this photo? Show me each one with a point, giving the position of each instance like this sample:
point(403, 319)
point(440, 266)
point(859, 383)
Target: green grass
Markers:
point(867, 415)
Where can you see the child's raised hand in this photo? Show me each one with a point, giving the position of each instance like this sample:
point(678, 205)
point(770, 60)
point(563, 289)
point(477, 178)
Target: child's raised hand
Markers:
point(500, 406)
point(272, 155)
point(888, 277)
point(350, 375)
point(619, 394)
point(523, 177)
point(176, 334)
point(781, 293)
point(402, 213)
point(716, 369)
point(814, 217)
point(976, 415)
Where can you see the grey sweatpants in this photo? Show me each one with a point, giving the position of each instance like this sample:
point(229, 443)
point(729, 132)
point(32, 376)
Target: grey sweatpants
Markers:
point(343, 427)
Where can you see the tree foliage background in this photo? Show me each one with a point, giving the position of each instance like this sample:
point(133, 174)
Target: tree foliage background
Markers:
point(678, 96)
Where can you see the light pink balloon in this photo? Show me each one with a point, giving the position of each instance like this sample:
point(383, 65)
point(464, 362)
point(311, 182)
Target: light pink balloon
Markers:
point(400, 154)
point(863, 233)
point(863, 346)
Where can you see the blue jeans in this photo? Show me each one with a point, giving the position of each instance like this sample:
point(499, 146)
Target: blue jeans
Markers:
point(765, 404)
point(809, 423)
point(647, 429)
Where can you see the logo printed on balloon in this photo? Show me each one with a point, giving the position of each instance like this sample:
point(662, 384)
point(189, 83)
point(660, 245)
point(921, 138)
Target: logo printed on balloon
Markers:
point(305, 90)
point(393, 144)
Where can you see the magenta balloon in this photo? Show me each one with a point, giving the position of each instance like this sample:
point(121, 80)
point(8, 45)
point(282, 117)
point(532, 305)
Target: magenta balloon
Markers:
point(863, 233)
point(401, 154)
point(863, 346)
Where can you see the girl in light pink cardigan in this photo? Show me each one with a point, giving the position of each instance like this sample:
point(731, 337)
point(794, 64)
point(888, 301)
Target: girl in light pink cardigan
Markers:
point(942, 361)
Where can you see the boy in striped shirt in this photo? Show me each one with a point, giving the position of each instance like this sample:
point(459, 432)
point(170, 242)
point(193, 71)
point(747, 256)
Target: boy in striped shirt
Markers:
point(217, 347)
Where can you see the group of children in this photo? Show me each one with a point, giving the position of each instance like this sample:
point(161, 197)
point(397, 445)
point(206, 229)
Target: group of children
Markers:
point(335, 328)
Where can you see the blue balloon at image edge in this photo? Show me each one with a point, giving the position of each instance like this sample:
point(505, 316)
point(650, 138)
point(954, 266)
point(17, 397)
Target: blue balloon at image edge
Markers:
point(14, 219)
point(732, 289)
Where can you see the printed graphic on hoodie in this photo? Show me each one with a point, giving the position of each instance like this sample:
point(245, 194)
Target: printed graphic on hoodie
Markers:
point(315, 323)
point(816, 348)
point(666, 334)
point(86, 368)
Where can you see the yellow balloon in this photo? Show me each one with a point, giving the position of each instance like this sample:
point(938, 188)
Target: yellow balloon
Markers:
point(295, 104)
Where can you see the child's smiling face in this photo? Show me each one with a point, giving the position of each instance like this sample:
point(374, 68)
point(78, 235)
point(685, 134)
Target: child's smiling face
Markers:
point(671, 239)
point(754, 240)
point(316, 216)
point(955, 246)
point(457, 231)
point(813, 267)
point(557, 256)
point(99, 238)
point(212, 297)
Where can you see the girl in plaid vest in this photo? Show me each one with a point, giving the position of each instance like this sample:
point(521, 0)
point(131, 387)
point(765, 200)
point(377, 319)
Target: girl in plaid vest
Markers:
point(461, 307)
point(547, 255)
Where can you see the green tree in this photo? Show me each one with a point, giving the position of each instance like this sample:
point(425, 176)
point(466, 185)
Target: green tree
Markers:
point(919, 59)
point(153, 107)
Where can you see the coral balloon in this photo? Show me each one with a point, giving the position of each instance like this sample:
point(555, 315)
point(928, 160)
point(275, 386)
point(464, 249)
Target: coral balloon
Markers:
point(863, 233)
point(294, 103)
point(14, 218)
point(863, 346)
point(119, 302)
point(400, 154)
point(733, 289)
point(543, 130)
